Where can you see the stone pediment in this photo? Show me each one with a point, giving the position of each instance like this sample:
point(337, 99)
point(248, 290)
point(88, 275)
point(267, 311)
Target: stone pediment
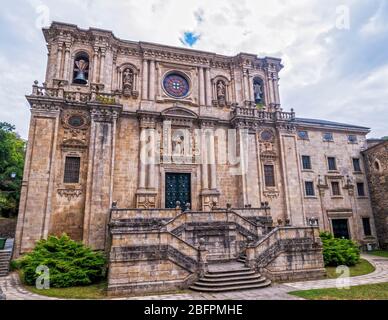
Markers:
point(179, 112)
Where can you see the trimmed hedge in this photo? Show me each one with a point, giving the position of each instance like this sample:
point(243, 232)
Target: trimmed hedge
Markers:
point(70, 263)
point(338, 252)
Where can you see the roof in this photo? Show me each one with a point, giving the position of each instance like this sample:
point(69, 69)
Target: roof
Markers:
point(329, 124)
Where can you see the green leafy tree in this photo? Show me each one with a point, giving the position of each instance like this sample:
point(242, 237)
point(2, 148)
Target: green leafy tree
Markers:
point(12, 150)
point(70, 263)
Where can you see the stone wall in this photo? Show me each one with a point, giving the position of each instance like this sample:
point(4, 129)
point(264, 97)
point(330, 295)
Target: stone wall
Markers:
point(376, 159)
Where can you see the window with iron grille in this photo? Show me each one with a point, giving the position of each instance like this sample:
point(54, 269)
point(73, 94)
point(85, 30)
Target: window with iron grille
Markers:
point(331, 163)
point(328, 136)
point(366, 225)
point(360, 189)
point(306, 162)
point(356, 165)
point(309, 188)
point(72, 168)
point(269, 175)
point(335, 188)
point(352, 138)
point(302, 134)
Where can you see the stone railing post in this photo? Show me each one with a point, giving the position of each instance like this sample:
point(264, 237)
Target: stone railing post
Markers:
point(250, 254)
point(202, 258)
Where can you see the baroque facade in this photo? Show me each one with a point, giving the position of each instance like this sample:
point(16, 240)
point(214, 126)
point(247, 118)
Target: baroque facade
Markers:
point(125, 136)
point(376, 159)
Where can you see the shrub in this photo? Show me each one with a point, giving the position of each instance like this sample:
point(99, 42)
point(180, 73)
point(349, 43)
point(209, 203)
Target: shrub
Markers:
point(70, 263)
point(339, 251)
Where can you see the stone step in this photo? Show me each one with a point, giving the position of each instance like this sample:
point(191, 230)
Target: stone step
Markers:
point(238, 278)
point(230, 273)
point(232, 288)
point(200, 283)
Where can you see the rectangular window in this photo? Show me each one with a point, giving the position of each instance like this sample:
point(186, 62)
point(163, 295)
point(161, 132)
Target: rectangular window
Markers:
point(360, 189)
point(352, 138)
point(327, 136)
point(366, 225)
point(331, 163)
point(335, 188)
point(269, 175)
point(356, 165)
point(72, 168)
point(340, 228)
point(309, 187)
point(302, 134)
point(306, 162)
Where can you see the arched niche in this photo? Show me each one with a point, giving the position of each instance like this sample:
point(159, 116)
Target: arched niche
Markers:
point(127, 82)
point(221, 91)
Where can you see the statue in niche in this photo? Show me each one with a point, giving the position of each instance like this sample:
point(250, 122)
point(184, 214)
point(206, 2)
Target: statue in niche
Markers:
point(128, 82)
point(179, 149)
point(221, 92)
point(258, 91)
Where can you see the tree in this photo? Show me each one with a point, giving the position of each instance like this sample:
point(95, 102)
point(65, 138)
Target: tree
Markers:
point(12, 151)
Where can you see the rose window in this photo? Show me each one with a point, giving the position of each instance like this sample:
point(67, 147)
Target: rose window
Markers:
point(176, 85)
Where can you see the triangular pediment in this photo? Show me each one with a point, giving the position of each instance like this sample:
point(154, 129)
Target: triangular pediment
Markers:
point(179, 112)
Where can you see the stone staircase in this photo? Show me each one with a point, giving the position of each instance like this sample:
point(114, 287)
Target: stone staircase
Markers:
point(230, 276)
point(5, 258)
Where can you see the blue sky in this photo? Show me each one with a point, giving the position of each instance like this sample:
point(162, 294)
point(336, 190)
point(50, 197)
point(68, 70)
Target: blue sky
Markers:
point(335, 53)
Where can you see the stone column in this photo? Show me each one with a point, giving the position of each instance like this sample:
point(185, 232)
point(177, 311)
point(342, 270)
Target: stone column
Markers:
point(208, 87)
point(151, 162)
point(251, 93)
point(95, 65)
point(144, 89)
point(245, 80)
point(152, 80)
point(276, 88)
point(158, 80)
point(212, 161)
point(101, 77)
point(204, 159)
point(59, 61)
point(271, 89)
point(201, 87)
point(142, 165)
point(67, 63)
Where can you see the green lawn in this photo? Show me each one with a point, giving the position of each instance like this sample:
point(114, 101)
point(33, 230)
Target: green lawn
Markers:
point(365, 292)
point(380, 253)
point(95, 291)
point(361, 268)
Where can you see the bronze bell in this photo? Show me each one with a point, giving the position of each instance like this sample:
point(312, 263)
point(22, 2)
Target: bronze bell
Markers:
point(80, 78)
point(81, 70)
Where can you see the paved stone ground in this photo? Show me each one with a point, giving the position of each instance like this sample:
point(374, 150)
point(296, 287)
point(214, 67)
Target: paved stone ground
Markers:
point(13, 290)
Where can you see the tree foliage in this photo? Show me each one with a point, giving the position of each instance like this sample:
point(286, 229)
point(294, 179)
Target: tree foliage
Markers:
point(12, 149)
point(338, 251)
point(70, 263)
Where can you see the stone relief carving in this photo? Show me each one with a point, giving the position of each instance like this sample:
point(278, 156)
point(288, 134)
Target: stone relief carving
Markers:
point(75, 124)
point(70, 193)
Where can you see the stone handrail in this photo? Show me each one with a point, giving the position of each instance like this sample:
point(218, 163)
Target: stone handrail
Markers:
point(263, 115)
point(124, 214)
point(266, 248)
point(212, 216)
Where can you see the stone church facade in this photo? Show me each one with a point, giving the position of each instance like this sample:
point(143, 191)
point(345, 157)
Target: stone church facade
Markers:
point(138, 131)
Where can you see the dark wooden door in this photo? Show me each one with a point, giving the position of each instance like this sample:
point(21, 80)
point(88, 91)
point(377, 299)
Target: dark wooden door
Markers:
point(178, 188)
point(340, 228)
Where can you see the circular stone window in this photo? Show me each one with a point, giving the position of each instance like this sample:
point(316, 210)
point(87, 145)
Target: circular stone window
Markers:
point(266, 135)
point(76, 121)
point(176, 85)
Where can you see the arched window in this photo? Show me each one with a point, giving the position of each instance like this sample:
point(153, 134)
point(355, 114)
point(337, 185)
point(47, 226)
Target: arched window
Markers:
point(377, 165)
point(258, 90)
point(81, 68)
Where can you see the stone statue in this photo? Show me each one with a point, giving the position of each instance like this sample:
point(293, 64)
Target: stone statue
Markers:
point(220, 90)
point(127, 81)
point(257, 89)
point(179, 148)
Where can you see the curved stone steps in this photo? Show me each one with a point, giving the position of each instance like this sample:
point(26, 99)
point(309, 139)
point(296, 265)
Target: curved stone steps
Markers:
point(238, 278)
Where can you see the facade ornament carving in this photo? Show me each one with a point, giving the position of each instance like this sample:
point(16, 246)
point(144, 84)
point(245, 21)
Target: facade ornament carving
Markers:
point(70, 193)
point(128, 82)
